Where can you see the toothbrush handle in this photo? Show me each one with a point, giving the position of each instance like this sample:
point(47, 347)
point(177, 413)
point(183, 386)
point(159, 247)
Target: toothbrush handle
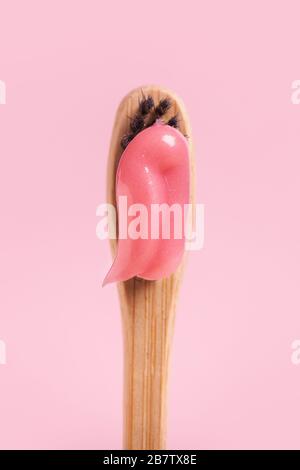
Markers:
point(148, 310)
point(148, 307)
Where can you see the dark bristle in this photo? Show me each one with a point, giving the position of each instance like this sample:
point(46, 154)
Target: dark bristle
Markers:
point(173, 122)
point(126, 139)
point(145, 117)
point(137, 123)
point(146, 105)
point(162, 107)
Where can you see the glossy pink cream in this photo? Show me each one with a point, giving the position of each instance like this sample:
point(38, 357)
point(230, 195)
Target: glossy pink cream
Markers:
point(153, 170)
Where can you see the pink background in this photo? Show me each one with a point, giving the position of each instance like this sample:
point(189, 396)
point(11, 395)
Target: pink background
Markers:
point(67, 64)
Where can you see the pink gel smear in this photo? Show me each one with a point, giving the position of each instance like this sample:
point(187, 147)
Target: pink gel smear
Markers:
point(153, 169)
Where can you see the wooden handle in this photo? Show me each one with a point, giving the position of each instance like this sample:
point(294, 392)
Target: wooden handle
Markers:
point(148, 308)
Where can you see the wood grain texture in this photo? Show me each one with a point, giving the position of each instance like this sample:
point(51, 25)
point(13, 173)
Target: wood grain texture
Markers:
point(148, 307)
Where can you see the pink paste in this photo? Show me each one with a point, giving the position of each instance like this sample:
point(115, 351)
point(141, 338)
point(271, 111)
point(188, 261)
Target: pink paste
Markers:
point(153, 169)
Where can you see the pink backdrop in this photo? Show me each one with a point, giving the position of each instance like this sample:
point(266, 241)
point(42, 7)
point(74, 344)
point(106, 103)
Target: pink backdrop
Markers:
point(66, 65)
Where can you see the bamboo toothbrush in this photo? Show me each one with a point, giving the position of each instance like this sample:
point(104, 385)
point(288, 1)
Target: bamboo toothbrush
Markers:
point(148, 307)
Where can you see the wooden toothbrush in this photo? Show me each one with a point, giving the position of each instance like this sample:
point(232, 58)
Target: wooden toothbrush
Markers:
point(148, 307)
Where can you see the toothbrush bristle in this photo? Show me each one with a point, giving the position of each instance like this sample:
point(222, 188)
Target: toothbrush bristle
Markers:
point(137, 123)
point(162, 107)
point(173, 122)
point(146, 105)
point(146, 115)
point(126, 139)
